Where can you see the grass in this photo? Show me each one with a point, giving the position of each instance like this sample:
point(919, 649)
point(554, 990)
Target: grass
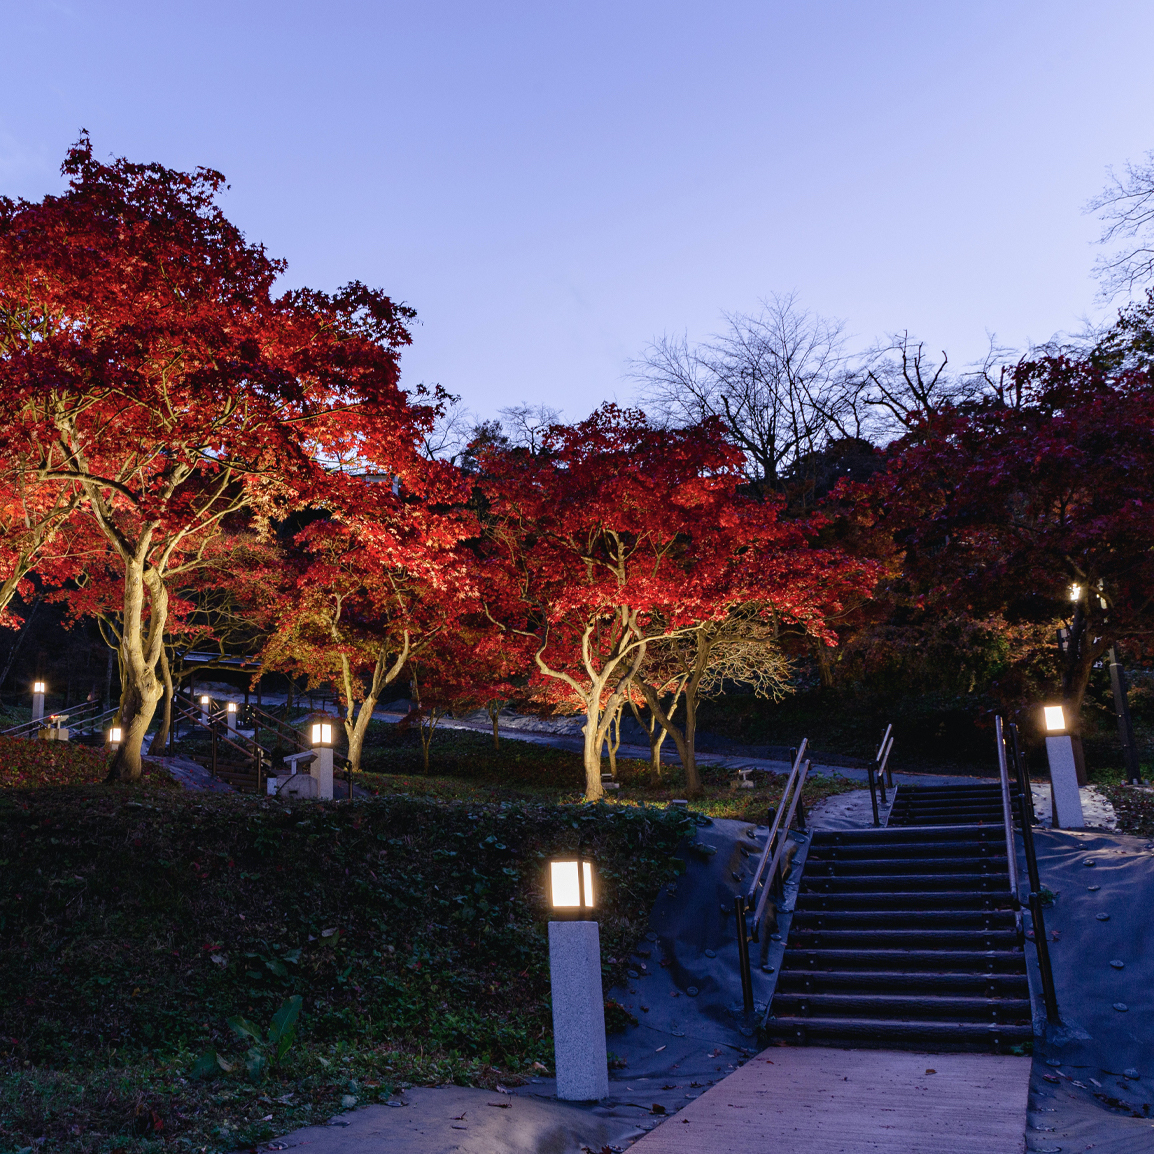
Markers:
point(465, 765)
point(137, 921)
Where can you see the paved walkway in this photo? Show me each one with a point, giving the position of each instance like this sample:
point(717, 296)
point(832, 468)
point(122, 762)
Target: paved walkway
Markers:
point(813, 1100)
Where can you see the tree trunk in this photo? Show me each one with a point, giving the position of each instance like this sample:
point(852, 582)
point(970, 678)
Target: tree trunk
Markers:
point(494, 708)
point(425, 729)
point(681, 740)
point(693, 784)
point(655, 732)
point(614, 742)
point(140, 651)
point(161, 738)
point(594, 739)
point(824, 668)
point(355, 732)
point(384, 674)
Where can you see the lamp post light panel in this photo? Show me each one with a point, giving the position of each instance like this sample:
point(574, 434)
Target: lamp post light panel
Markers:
point(571, 886)
point(322, 733)
point(39, 687)
point(115, 736)
point(1055, 718)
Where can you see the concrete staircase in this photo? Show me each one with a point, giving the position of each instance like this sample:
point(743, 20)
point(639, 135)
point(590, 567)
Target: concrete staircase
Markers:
point(906, 938)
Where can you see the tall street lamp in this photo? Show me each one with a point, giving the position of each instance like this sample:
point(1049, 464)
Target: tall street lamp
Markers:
point(575, 977)
point(1065, 799)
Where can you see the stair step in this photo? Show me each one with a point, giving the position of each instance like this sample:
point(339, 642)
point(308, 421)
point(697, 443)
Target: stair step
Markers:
point(899, 847)
point(882, 883)
point(885, 836)
point(914, 1034)
point(902, 982)
point(890, 939)
point(905, 900)
point(942, 961)
point(906, 865)
point(805, 919)
point(907, 1007)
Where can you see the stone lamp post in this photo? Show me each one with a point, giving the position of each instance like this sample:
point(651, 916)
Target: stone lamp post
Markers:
point(322, 767)
point(39, 688)
point(1065, 800)
point(575, 976)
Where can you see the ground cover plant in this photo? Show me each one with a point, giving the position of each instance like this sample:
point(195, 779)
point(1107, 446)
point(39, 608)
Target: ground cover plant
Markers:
point(28, 764)
point(467, 766)
point(137, 922)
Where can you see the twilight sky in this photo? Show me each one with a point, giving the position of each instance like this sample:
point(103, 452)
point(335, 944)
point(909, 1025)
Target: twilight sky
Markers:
point(553, 184)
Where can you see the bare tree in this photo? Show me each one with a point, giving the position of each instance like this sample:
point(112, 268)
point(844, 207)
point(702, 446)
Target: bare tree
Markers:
point(774, 378)
point(1126, 206)
point(525, 425)
point(451, 433)
point(898, 382)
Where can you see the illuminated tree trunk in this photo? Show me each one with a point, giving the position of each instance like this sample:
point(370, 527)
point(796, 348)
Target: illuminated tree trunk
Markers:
point(141, 646)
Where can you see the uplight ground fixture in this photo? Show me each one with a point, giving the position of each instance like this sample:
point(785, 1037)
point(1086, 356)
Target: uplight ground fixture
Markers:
point(322, 767)
point(1066, 800)
point(575, 975)
point(115, 737)
point(39, 688)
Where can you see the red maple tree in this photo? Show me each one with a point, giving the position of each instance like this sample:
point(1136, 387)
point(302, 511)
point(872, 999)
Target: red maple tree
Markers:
point(617, 535)
point(171, 390)
point(1035, 505)
point(368, 585)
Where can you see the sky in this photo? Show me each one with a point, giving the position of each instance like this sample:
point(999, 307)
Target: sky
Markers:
point(553, 185)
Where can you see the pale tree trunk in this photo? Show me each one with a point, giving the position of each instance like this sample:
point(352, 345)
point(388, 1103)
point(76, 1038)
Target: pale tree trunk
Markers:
point(140, 651)
point(598, 720)
point(161, 738)
point(614, 742)
point(594, 740)
point(656, 732)
point(494, 709)
point(685, 738)
point(356, 721)
point(426, 724)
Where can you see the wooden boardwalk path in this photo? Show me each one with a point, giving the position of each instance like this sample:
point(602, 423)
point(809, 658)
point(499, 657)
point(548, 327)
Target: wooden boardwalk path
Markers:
point(818, 1100)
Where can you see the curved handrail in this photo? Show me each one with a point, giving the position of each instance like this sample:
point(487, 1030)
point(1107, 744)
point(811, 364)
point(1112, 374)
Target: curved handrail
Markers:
point(774, 865)
point(764, 860)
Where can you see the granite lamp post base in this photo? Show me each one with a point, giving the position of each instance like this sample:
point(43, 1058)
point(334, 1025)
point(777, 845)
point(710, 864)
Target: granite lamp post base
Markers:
point(578, 1011)
point(322, 770)
point(1067, 801)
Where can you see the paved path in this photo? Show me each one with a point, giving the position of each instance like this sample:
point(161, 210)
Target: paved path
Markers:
point(814, 1100)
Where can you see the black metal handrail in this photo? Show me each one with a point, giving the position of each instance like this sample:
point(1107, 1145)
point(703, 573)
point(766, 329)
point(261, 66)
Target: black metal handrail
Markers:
point(1010, 752)
point(82, 713)
point(280, 727)
point(256, 753)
